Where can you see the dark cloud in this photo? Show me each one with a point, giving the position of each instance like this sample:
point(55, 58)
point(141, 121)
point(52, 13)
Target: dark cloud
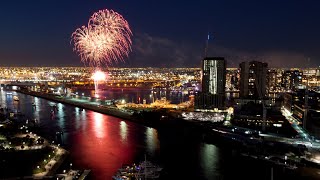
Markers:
point(286, 59)
point(273, 58)
point(153, 51)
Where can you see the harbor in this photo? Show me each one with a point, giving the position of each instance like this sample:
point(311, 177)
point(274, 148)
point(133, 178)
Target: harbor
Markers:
point(127, 142)
point(159, 90)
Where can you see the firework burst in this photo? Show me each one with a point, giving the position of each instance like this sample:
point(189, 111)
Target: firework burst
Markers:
point(105, 40)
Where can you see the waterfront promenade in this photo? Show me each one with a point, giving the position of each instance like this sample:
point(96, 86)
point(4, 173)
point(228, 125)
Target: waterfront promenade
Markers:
point(49, 156)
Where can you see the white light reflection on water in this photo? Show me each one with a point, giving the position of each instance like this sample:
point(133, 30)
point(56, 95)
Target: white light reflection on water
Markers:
point(36, 109)
point(209, 160)
point(152, 140)
point(123, 131)
point(84, 118)
point(60, 115)
point(77, 117)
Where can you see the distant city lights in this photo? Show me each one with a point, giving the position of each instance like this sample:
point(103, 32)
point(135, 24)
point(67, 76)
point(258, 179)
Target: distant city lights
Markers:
point(202, 116)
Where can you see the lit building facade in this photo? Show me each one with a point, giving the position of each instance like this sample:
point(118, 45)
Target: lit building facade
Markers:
point(272, 80)
point(292, 80)
point(213, 84)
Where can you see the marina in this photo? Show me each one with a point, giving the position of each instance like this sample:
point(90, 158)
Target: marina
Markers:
point(142, 171)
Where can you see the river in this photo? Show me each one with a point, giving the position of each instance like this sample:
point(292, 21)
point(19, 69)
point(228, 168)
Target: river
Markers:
point(103, 143)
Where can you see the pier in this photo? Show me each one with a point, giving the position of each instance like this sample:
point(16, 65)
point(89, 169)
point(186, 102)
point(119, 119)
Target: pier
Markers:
point(94, 106)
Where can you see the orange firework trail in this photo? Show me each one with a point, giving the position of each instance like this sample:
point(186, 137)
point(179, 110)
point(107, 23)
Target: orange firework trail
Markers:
point(105, 40)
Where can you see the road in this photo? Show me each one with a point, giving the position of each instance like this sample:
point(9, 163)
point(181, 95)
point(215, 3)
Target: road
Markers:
point(295, 125)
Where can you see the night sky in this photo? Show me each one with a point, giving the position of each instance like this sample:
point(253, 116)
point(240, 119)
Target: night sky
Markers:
point(284, 33)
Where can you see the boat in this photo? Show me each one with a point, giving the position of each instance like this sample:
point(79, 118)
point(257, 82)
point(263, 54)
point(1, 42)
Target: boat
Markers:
point(144, 170)
point(15, 98)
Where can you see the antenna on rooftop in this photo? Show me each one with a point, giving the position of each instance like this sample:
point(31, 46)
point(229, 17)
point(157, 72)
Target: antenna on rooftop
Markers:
point(207, 46)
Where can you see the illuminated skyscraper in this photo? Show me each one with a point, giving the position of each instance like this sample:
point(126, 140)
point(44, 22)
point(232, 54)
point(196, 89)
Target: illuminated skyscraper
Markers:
point(291, 80)
point(213, 84)
point(214, 75)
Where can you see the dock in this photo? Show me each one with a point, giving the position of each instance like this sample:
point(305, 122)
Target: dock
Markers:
point(84, 174)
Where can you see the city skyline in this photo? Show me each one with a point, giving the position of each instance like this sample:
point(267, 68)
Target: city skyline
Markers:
point(159, 90)
point(238, 31)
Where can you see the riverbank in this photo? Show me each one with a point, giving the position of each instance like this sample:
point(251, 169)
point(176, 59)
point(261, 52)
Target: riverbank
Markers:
point(156, 119)
point(40, 157)
point(113, 138)
point(108, 110)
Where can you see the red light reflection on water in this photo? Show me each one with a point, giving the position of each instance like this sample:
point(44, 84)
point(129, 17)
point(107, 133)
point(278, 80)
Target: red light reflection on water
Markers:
point(100, 146)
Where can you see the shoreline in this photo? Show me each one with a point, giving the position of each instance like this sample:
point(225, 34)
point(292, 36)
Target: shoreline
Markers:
point(186, 127)
point(102, 109)
point(194, 129)
point(112, 88)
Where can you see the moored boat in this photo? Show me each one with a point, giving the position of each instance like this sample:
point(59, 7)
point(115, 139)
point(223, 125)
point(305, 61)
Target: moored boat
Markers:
point(144, 170)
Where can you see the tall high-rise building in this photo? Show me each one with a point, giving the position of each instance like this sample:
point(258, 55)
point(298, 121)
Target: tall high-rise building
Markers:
point(214, 75)
point(213, 84)
point(272, 80)
point(291, 80)
point(296, 79)
point(286, 80)
point(253, 77)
